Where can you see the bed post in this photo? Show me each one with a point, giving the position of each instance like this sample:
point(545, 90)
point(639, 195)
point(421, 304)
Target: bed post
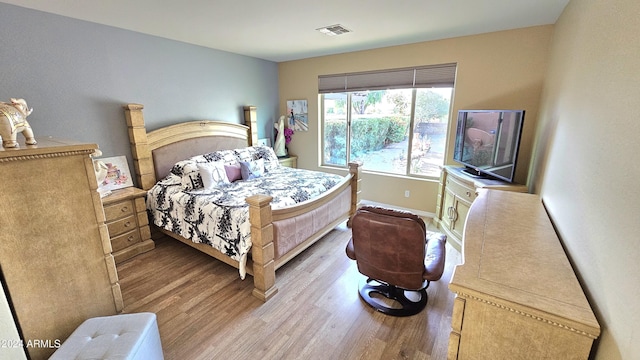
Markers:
point(262, 248)
point(356, 177)
point(142, 161)
point(251, 120)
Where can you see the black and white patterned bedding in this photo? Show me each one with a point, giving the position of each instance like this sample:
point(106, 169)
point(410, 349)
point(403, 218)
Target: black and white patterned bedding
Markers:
point(219, 216)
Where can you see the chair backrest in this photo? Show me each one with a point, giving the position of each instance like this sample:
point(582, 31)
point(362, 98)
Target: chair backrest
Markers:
point(389, 246)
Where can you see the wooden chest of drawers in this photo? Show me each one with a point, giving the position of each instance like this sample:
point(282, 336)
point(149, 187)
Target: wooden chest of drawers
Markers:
point(128, 224)
point(517, 296)
point(456, 193)
point(56, 261)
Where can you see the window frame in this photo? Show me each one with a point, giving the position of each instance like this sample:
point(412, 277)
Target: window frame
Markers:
point(411, 127)
point(414, 78)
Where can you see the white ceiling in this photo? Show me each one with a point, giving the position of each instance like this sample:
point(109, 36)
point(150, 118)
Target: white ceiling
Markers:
point(281, 30)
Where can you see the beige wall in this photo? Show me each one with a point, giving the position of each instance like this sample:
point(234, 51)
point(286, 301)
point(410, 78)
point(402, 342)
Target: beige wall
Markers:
point(586, 160)
point(497, 70)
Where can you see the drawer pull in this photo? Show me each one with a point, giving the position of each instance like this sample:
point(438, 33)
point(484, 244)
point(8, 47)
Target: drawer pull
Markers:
point(452, 213)
point(127, 224)
point(468, 193)
point(124, 209)
point(131, 238)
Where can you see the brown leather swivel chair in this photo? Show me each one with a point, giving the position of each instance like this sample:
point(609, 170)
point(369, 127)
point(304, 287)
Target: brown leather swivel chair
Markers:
point(396, 253)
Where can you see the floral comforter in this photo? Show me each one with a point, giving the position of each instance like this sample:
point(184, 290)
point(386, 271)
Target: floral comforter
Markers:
point(219, 217)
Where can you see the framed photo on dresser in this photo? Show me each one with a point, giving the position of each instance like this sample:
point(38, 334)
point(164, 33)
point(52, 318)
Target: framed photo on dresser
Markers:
point(117, 175)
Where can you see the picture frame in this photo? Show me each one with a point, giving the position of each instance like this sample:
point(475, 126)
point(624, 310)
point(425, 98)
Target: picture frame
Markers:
point(117, 176)
point(264, 142)
point(297, 115)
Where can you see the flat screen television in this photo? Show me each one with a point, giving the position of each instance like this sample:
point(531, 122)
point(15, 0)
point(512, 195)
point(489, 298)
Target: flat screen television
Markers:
point(487, 142)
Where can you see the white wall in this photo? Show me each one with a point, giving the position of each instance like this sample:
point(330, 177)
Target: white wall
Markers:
point(586, 160)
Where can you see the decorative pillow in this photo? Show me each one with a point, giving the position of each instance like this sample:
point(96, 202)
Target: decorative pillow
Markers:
point(270, 159)
point(252, 169)
point(233, 172)
point(212, 174)
point(192, 178)
point(226, 156)
point(187, 170)
point(245, 154)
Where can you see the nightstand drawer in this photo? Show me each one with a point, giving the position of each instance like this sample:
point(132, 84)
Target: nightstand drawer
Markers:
point(119, 210)
point(125, 240)
point(127, 222)
point(121, 226)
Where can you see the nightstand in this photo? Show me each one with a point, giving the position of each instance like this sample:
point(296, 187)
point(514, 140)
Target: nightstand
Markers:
point(126, 218)
point(291, 161)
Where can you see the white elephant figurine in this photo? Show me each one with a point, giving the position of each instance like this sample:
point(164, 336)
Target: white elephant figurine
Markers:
point(13, 119)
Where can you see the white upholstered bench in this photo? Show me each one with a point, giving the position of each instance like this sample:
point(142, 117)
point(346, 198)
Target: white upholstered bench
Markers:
point(126, 336)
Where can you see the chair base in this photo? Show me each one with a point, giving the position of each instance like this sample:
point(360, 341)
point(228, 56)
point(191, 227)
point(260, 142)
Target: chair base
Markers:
point(395, 295)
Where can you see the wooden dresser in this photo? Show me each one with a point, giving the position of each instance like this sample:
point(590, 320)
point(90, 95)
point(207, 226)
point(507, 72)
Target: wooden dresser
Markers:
point(55, 254)
point(456, 192)
point(128, 224)
point(517, 296)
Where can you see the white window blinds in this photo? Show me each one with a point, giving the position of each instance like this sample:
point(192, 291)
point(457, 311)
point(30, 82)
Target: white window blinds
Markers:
point(442, 75)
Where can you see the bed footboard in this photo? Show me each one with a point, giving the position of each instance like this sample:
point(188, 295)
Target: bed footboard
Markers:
point(261, 217)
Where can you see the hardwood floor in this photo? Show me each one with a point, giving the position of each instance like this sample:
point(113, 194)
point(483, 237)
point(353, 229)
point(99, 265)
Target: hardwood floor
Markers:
point(206, 312)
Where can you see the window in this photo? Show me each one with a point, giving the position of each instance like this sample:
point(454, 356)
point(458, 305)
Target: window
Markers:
point(399, 129)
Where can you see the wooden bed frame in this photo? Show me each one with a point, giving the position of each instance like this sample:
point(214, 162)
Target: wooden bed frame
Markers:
point(155, 152)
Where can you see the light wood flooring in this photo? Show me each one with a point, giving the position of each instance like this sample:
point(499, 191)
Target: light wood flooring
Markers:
point(206, 312)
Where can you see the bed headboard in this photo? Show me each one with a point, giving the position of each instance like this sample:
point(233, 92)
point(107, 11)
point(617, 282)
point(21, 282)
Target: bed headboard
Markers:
point(154, 153)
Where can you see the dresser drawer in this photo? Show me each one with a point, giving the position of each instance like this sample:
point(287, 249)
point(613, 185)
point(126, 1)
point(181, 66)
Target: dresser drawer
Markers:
point(460, 189)
point(119, 210)
point(125, 240)
point(121, 226)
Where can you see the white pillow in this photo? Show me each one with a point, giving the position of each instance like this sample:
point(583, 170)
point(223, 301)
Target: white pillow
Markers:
point(212, 174)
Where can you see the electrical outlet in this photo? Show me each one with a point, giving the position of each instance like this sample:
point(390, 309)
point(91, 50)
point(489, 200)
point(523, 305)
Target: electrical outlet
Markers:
point(407, 193)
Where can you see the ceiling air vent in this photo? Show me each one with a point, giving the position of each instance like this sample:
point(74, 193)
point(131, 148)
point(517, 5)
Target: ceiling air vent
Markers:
point(334, 30)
